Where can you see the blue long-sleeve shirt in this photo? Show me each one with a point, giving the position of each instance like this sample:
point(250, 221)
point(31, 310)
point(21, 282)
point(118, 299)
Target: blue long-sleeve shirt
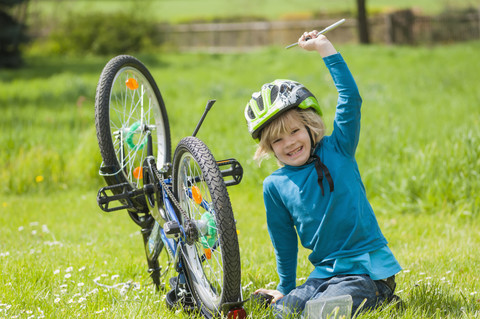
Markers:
point(340, 228)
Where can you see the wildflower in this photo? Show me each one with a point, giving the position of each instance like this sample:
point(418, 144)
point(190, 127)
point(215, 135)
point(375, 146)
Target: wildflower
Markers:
point(39, 179)
point(68, 275)
point(45, 229)
point(94, 291)
point(56, 300)
point(20, 228)
point(69, 269)
point(123, 290)
point(4, 204)
point(53, 243)
point(80, 284)
point(56, 272)
point(82, 268)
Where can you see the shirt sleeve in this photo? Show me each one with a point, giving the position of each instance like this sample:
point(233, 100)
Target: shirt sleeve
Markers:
point(284, 238)
point(346, 126)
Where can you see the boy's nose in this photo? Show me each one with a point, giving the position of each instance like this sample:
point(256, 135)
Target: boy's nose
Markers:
point(289, 141)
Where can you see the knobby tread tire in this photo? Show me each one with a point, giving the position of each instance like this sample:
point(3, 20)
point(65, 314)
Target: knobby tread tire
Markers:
point(224, 214)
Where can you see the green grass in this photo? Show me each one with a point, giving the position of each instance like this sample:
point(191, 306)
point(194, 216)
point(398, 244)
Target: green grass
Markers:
point(54, 252)
point(419, 156)
point(184, 10)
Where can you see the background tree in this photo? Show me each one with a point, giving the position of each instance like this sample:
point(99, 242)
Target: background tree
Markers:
point(362, 21)
point(12, 31)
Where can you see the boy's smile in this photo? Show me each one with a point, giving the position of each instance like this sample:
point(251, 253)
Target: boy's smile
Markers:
point(293, 146)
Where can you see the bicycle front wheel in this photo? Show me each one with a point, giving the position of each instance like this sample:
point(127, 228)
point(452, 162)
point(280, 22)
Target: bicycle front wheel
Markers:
point(212, 259)
point(129, 111)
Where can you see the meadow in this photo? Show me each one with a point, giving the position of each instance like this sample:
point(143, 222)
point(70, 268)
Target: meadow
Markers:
point(419, 155)
point(186, 10)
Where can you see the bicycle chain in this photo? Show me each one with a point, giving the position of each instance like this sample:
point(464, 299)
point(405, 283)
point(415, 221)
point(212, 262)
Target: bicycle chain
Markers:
point(169, 192)
point(191, 231)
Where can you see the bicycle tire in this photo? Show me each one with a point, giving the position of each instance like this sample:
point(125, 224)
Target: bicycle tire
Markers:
point(216, 279)
point(128, 107)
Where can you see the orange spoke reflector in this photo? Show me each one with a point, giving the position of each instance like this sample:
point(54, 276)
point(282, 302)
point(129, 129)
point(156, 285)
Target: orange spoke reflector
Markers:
point(132, 84)
point(138, 172)
point(196, 195)
point(208, 253)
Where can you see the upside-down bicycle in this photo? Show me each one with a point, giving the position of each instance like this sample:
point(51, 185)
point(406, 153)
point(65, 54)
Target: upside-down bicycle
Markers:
point(183, 206)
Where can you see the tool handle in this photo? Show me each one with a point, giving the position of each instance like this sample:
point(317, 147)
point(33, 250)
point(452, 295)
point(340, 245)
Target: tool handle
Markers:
point(330, 27)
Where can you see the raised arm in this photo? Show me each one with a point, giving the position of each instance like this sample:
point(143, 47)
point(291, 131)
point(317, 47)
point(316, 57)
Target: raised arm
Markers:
point(346, 130)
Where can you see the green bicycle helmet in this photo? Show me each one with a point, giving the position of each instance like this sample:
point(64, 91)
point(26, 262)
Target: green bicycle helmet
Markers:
point(274, 99)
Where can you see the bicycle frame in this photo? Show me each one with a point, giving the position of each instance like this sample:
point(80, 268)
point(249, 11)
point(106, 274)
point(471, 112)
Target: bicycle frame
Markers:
point(167, 230)
point(180, 202)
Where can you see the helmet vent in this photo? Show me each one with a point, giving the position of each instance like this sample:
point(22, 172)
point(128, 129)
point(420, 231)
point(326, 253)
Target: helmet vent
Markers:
point(250, 113)
point(260, 103)
point(273, 94)
point(284, 88)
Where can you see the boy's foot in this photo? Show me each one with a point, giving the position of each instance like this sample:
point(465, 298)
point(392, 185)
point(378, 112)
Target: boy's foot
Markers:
point(397, 301)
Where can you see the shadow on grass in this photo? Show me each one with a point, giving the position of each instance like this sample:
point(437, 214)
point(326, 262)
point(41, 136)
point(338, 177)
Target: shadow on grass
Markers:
point(47, 66)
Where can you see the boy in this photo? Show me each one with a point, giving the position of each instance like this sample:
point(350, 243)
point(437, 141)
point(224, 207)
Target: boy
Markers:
point(317, 194)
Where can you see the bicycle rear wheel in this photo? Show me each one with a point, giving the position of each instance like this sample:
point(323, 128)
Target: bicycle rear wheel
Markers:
point(128, 109)
point(212, 260)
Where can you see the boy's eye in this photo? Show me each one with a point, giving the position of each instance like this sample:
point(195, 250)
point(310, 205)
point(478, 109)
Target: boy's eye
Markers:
point(295, 130)
point(276, 141)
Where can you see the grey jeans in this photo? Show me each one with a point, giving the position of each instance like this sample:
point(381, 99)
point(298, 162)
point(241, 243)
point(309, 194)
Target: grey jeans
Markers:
point(360, 287)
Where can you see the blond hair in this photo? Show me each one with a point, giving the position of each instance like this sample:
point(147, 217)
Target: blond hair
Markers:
point(307, 117)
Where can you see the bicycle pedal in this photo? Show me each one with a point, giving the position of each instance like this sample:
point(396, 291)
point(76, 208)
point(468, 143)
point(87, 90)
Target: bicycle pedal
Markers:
point(173, 281)
point(104, 200)
point(233, 174)
point(171, 229)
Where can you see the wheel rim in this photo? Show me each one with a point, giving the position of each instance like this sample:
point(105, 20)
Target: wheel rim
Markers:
point(134, 113)
point(206, 267)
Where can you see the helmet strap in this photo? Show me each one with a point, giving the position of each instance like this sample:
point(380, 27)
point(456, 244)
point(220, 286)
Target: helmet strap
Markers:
point(319, 166)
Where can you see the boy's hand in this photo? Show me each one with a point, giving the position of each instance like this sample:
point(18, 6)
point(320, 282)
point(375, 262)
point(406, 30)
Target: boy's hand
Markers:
point(311, 42)
point(277, 295)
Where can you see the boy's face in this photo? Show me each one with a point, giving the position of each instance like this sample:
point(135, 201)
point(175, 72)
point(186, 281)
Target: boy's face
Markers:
point(293, 146)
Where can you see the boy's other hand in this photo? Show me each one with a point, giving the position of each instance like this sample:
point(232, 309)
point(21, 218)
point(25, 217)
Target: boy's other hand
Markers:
point(277, 295)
